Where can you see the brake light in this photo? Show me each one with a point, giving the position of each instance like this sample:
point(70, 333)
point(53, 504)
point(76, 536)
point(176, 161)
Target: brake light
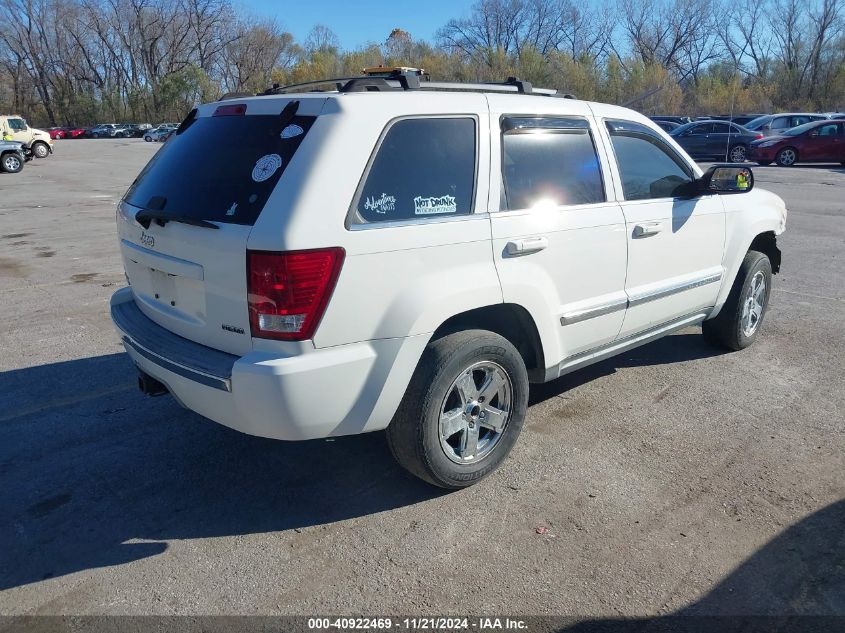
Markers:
point(288, 292)
point(238, 109)
point(758, 136)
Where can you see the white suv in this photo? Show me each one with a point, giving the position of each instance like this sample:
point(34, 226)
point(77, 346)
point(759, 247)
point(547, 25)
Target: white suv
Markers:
point(409, 257)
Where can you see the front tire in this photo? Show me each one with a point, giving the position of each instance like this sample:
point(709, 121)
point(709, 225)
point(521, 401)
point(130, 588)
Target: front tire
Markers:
point(11, 163)
point(741, 318)
point(40, 150)
point(462, 411)
point(787, 157)
point(737, 154)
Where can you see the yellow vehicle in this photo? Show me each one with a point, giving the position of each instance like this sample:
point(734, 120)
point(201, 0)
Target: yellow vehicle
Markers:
point(36, 142)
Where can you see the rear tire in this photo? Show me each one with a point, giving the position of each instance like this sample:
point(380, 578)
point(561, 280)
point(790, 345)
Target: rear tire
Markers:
point(787, 157)
point(737, 154)
point(465, 387)
point(741, 318)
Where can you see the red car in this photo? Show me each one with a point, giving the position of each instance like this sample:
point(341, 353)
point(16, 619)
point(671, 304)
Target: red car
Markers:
point(75, 132)
point(57, 132)
point(815, 142)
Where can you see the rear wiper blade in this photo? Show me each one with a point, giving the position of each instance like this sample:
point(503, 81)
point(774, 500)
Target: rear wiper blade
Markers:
point(145, 217)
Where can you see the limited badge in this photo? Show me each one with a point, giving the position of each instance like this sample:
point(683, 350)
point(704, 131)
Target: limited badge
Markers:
point(265, 167)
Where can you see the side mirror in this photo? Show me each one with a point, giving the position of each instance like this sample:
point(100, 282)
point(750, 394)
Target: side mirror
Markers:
point(726, 178)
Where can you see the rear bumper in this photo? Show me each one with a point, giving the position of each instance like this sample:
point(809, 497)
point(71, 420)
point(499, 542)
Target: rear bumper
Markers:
point(341, 390)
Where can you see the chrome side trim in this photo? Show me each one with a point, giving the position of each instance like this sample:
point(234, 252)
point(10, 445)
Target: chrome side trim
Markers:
point(583, 359)
point(653, 295)
point(576, 316)
point(224, 384)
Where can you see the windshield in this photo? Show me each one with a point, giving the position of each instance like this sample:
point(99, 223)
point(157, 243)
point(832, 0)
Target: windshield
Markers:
point(220, 168)
point(760, 121)
point(800, 129)
point(681, 129)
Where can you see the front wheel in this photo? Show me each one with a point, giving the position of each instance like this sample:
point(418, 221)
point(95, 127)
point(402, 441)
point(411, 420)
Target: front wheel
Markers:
point(738, 324)
point(737, 154)
point(463, 409)
point(11, 163)
point(148, 139)
point(40, 150)
point(787, 157)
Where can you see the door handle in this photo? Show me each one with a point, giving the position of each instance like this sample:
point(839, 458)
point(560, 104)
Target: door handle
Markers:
point(647, 228)
point(526, 246)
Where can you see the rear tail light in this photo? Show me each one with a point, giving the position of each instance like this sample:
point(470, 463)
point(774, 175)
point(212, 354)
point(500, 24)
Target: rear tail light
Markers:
point(758, 136)
point(288, 292)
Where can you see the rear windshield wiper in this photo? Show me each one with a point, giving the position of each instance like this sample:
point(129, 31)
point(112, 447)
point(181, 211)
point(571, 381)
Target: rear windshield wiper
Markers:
point(145, 217)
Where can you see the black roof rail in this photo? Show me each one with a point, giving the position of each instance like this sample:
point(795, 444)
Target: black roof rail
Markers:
point(401, 80)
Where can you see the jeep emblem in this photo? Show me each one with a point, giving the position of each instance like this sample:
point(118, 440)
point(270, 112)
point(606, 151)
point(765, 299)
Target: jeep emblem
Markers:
point(147, 240)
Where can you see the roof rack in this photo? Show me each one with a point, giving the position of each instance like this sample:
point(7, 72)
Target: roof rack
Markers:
point(402, 79)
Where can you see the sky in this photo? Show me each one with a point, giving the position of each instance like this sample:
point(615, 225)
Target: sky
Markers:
point(357, 22)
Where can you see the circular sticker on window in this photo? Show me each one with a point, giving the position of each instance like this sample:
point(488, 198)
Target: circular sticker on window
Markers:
point(291, 131)
point(265, 167)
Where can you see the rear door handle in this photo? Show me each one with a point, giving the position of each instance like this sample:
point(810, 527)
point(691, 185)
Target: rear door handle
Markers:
point(526, 246)
point(647, 228)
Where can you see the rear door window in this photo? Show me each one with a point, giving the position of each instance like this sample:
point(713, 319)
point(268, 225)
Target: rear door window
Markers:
point(549, 161)
point(422, 168)
point(220, 168)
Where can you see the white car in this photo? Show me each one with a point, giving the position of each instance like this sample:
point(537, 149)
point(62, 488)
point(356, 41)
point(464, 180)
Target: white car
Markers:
point(409, 258)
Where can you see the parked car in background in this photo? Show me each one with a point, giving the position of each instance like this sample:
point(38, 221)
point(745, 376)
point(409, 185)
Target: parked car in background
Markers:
point(76, 132)
point(156, 133)
point(12, 156)
point(773, 124)
point(818, 141)
point(667, 126)
point(36, 142)
point(104, 130)
point(680, 120)
point(57, 132)
point(719, 140)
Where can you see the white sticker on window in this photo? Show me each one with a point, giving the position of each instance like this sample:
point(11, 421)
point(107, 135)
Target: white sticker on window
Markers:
point(265, 167)
point(291, 131)
point(428, 206)
point(380, 205)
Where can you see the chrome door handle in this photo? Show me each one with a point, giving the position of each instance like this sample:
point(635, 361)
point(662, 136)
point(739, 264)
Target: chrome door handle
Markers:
point(526, 246)
point(647, 228)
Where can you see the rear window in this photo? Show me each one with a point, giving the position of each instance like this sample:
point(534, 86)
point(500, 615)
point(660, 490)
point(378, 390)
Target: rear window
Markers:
point(423, 168)
point(220, 168)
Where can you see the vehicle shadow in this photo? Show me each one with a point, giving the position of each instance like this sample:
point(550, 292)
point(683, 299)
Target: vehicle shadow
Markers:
point(677, 348)
point(95, 474)
point(795, 582)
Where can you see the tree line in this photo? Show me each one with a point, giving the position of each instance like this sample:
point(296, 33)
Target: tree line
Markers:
point(68, 62)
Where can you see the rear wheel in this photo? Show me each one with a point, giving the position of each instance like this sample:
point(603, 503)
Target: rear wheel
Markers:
point(787, 157)
point(11, 163)
point(737, 154)
point(741, 318)
point(463, 409)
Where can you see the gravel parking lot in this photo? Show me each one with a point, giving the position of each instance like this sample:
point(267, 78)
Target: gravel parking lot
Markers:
point(672, 479)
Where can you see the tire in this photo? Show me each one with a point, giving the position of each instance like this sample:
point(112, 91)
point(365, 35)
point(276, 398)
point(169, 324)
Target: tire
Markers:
point(148, 139)
point(417, 435)
point(740, 152)
point(40, 150)
point(764, 163)
point(787, 157)
point(736, 327)
point(11, 163)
